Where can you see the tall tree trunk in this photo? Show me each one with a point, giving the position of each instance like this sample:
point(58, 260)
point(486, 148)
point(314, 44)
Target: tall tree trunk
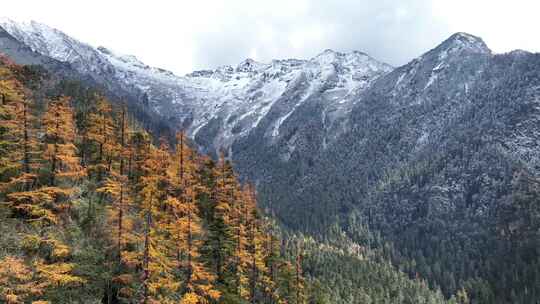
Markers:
point(253, 284)
point(55, 150)
point(120, 219)
point(189, 243)
point(26, 161)
point(146, 259)
point(182, 158)
point(218, 261)
point(298, 274)
point(122, 181)
point(238, 245)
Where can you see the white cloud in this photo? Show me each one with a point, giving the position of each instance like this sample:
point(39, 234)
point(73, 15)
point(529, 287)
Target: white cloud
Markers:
point(504, 25)
point(186, 35)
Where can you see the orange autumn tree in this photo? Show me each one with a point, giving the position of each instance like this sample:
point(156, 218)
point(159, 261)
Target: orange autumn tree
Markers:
point(254, 279)
point(118, 188)
point(185, 226)
point(58, 168)
point(59, 165)
point(17, 283)
point(128, 219)
point(60, 150)
point(21, 191)
point(63, 171)
point(44, 266)
point(11, 96)
point(19, 162)
point(21, 283)
point(157, 283)
point(18, 144)
point(120, 216)
point(241, 231)
point(100, 147)
point(101, 133)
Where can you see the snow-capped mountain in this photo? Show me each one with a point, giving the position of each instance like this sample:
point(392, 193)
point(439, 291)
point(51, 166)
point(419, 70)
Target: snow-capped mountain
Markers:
point(230, 100)
point(242, 96)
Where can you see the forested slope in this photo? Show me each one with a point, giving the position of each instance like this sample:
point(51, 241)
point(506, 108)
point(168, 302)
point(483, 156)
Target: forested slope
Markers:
point(93, 211)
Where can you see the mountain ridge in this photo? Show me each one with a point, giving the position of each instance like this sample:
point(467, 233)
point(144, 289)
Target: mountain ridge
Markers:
point(196, 101)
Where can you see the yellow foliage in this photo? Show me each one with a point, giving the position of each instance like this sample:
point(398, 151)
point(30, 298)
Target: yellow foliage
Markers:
point(17, 281)
point(57, 274)
point(35, 205)
point(60, 151)
point(31, 242)
point(59, 250)
point(101, 132)
point(190, 298)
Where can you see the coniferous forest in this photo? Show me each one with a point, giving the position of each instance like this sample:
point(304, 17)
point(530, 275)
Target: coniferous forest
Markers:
point(96, 210)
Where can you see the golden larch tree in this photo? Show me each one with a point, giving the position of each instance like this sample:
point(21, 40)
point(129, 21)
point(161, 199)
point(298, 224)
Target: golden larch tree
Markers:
point(60, 150)
point(101, 133)
point(186, 226)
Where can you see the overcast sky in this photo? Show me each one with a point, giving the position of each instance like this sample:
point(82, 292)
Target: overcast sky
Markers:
point(182, 35)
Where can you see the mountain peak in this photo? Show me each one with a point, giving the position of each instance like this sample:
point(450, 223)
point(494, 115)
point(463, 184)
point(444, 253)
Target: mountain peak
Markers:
point(4, 19)
point(329, 51)
point(249, 65)
point(463, 41)
point(25, 25)
point(331, 54)
point(129, 59)
point(353, 60)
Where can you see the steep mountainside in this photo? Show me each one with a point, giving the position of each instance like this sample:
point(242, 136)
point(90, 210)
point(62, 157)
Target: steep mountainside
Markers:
point(23, 54)
point(37, 44)
point(430, 163)
point(409, 105)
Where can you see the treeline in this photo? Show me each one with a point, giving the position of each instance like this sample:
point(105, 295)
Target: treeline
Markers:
point(93, 209)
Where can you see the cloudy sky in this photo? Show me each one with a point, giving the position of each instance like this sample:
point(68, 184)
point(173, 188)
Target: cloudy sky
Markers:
point(187, 35)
